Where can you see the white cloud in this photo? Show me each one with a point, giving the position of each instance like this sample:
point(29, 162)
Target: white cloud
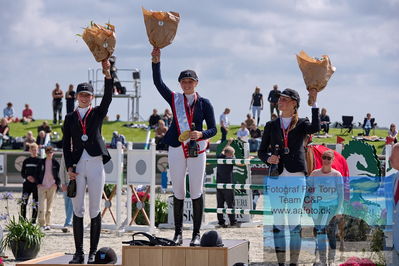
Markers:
point(35, 28)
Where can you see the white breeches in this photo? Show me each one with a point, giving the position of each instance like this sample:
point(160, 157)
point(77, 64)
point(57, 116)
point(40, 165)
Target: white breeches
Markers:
point(286, 194)
point(91, 174)
point(179, 165)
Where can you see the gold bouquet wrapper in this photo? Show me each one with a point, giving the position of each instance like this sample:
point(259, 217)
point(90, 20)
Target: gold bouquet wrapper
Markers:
point(100, 40)
point(316, 72)
point(161, 27)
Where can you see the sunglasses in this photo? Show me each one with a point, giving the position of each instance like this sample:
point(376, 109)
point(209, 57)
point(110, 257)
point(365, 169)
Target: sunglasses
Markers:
point(324, 157)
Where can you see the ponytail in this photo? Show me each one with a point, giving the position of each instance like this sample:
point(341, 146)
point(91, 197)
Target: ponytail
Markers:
point(294, 119)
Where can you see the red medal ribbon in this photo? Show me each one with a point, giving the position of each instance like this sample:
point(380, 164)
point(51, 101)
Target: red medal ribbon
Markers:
point(285, 133)
point(190, 110)
point(83, 121)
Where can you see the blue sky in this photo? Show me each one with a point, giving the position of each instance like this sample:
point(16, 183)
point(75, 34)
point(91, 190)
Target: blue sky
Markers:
point(233, 45)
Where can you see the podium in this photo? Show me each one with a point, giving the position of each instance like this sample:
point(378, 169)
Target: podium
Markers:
point(233, 251)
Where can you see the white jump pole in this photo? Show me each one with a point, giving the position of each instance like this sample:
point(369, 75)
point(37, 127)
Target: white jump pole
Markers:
point(152, 188)
point(119, 163)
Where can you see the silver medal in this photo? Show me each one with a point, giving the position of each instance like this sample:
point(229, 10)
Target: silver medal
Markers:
point(84, 137)
point(286, 150)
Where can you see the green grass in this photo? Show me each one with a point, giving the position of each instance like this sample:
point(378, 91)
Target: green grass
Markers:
point(139, 135)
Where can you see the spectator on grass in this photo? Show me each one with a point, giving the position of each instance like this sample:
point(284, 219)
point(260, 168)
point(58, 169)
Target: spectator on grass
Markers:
point(167, 117)
point(249, 121)
point(42, 140)
point(243, 133)
point(224, 124)
point(27, 114)
point(57, 94)
point(256, 138)
point(9, 113)
point(154, 118)
point(70, 99)
point(368, 124)
point(29, 139)
point(4, 131)
point(274, 94)
point(160, 132)
point(324, 120)
point(44, 127)
point(256, 104)
point(118, 118)
point(393, 133)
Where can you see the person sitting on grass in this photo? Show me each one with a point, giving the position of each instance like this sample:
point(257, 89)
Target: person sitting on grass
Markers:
point(27, 114)
point(29, 139)
point(4, 131)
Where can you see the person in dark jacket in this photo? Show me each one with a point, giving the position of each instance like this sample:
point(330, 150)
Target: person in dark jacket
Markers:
point(84, 148)
point(189, 109)
point(368, 124)
point(48, 181)
point(29, 174)
point(224, 174)
point(287, 190)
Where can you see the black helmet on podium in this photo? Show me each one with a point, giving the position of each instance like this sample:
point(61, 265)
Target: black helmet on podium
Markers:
point(211, 239)
point(106, 255)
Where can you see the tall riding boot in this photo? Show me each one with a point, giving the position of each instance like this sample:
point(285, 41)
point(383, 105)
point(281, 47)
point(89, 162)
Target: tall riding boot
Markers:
point(279, 244)
point(34, 214)
point(79, 256)
point(198, 208)
point(95, 230)
point(295, 244)
point(23, 210)
point(178, 216)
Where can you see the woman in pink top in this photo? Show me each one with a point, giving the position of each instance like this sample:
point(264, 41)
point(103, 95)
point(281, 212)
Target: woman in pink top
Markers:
point(326, 196)
point(47, 185)
point(27, 114)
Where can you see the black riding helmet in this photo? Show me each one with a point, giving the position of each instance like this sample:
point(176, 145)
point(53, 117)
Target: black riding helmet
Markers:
point(293, 94)
point(106, 255)
point(211, 239)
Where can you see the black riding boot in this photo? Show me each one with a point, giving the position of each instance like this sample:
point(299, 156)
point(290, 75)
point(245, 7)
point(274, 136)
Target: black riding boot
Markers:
point(79, 256)
point(279, 244)
point(95, 230)
point(295, 244)
point(178, 206)
point(198, 208)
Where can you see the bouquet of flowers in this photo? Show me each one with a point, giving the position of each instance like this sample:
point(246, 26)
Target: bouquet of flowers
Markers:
point(100, 40)
point(316, 72)
point(161, 27)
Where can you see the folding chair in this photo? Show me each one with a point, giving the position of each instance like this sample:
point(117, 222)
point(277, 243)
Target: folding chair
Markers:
point(346, 125)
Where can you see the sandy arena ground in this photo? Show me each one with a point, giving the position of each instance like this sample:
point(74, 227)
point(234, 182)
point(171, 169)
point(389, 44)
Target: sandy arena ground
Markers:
point(57, 241)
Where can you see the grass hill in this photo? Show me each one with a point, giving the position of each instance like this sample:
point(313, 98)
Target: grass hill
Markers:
point(139, 135)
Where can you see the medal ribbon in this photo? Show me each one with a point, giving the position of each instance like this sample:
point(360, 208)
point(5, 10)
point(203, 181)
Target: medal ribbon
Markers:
point(190, 109)
point(285, 133)
point(83, 122)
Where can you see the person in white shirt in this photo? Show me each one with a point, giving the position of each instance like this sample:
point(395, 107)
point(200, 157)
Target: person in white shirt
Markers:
point(224, 124)
point(243, 133)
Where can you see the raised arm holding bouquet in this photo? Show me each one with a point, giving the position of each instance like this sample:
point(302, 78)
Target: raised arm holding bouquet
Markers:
point(316, 73)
